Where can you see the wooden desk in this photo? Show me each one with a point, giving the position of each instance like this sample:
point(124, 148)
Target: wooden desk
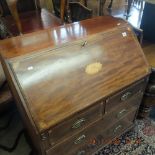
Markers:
point(76, 83)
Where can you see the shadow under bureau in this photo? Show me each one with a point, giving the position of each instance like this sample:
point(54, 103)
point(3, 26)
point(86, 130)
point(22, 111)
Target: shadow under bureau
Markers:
point(75, 97)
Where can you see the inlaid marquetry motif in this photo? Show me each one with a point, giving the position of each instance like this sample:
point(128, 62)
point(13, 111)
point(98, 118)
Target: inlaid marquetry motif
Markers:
point(93, 68)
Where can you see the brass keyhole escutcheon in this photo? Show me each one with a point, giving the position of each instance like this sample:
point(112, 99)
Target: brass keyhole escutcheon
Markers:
point(84, 44)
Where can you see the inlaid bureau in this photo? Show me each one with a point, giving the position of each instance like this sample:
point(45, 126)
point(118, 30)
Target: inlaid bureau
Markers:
point(78, 88)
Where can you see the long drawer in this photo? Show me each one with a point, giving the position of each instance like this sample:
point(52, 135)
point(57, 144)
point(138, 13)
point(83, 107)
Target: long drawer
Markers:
point(90, 139)
point(124, 95)
point(76, 123)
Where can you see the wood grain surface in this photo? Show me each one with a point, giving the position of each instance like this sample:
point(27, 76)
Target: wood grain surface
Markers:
point(55, 83)
point(51, 37)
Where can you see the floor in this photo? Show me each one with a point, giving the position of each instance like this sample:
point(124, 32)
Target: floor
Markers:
point(134, 16)
point(119, 10)
point(8, 135)
point(149, 50)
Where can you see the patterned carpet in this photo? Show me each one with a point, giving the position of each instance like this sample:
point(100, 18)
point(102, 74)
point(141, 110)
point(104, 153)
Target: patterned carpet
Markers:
point(139, 141)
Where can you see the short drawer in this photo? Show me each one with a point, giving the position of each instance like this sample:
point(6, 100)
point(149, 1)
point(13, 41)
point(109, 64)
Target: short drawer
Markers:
point(125, 95)
point(76, 123)
point(120, 127)
point(123, 108)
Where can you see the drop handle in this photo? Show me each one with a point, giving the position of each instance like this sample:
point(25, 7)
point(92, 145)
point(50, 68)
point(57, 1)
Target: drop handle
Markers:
point(125, 96)
point(80, 139)
point(122, 113)
point(78, 123)
point(117, 128)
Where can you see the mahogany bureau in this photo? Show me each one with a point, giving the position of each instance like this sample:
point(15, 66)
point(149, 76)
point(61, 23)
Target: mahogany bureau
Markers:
point(78, 88)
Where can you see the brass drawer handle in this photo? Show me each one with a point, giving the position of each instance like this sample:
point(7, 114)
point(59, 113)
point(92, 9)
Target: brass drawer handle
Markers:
point(79, 140)
point(78, 123)
point(117, 128)
point(121, 113)
point(81, 152)
point(126, 96)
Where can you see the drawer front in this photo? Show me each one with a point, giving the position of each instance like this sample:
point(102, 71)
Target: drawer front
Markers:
point(125, 94)
point(91, 139)
point(76, 123)
point(118, 128)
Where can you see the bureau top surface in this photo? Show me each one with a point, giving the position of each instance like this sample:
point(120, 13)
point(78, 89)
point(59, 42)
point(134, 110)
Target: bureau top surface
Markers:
point(59, 82)
point(51, 37)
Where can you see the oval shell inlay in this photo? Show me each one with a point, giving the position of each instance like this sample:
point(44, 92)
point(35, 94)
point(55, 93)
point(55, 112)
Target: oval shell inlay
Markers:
point(93, 68)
